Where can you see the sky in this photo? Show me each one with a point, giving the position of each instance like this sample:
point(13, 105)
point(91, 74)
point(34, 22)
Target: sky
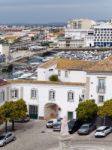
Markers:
point(53, 11)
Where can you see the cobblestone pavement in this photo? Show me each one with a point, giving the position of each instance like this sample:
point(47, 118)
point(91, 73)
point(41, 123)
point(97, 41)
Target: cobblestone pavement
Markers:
point(34, 136)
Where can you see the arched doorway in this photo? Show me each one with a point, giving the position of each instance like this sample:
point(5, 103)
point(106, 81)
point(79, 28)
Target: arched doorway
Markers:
point(51, 110)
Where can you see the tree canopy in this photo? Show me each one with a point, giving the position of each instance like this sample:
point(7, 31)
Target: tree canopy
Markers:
point(106, 109)
point(13, 110)
point(86, 110)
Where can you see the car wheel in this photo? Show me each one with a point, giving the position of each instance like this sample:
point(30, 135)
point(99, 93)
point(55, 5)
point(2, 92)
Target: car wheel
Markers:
point(14, 138)
point(4, 144)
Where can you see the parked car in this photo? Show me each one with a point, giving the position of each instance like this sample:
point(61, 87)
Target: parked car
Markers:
point(103, 131)
point(74, 125)
point(57, 126)
point(6, 138)
point(86, 128)
point(50, 123)
point(22, 120)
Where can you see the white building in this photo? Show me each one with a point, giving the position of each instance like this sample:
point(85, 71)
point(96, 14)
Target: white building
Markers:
point(103, 35)
point(4, 49)
point(79, 80)
point(79, 33)
point(87, 33)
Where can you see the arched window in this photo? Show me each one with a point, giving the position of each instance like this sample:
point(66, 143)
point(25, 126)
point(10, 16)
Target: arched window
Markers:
point(51, 95)
point(70, 96)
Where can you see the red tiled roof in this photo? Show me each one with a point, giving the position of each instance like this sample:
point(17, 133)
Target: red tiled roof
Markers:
point(3, 82)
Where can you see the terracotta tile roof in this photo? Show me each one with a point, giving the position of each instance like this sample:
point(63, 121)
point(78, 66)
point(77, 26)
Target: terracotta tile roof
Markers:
point(102, 66)
point(68, 64)
point(45, 82)
point(74, 64)
point(3, 82)
point(48, 63)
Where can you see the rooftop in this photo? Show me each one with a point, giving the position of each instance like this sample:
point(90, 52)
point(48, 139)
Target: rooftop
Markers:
point(102, 66)
point(68, 64)
point(44, 82)
point(3, 82)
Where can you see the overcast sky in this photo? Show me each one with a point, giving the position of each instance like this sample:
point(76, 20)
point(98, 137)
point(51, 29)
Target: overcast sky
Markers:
point(49, 11)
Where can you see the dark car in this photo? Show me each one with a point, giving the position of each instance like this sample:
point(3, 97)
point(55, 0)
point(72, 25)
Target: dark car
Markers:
point(22, 120)
point(57, 126)
point(86, 128)
point(74, 125)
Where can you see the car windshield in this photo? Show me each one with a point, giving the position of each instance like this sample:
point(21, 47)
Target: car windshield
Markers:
point(70, 125)
point(50, 121)
point(2, 137)
point(99, 130)
point(72, 122)
point(84, 127)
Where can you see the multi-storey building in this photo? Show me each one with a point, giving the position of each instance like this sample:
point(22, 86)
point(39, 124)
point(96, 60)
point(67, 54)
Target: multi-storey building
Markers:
point(78, 81)
point(87, 33)
point(79, 33)
point(103, 35)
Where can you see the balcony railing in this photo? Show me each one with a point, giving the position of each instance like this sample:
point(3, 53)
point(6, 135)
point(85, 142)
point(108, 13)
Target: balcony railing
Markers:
point(101, 89)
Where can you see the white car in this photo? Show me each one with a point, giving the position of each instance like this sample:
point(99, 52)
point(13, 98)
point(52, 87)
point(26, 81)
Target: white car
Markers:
point(102, 131)
point(50, 123)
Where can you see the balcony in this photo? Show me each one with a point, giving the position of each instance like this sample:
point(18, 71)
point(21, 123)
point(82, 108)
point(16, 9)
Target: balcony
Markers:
point(101, 89)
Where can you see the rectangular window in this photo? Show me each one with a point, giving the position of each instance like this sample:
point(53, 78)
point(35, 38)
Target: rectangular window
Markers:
point(33, 94)
point(59, 72)
point(66, 74)
point(101, 85)
point(101, 99)
point(14, 93)
point(51, 95)
point(70, 96)
point(2, 96)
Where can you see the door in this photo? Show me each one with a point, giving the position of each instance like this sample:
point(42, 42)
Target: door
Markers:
point(70, 115)
point(33, 111)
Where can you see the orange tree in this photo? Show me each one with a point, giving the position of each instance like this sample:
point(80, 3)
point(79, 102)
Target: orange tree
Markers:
point(86, 110)
point(106, 109)
point(13, 110)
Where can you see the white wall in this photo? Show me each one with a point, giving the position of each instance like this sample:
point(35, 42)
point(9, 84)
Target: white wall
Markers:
point(1, 49)
point(45, 73)
point(43, 96)
point(73, 76)
point(94, 83)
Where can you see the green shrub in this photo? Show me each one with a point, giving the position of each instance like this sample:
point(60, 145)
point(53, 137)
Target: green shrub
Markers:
point(53, 78)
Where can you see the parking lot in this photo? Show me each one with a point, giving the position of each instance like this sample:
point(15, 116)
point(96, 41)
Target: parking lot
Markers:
point(33, 135)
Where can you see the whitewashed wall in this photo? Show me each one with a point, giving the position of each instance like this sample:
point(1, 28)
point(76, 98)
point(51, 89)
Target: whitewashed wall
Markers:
point(94, 83)
point(43, 96)
point(73, 76)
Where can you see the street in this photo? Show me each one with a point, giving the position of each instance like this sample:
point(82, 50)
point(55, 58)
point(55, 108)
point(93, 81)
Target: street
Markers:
point(34, 136)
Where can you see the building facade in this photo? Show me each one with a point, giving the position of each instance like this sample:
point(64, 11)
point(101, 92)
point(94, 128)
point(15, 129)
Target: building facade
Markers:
point(103, 35)
point(78, 81)
point(87, 33)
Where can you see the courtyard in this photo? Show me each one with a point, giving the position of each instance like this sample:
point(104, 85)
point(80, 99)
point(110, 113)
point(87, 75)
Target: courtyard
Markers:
point(34, 135)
